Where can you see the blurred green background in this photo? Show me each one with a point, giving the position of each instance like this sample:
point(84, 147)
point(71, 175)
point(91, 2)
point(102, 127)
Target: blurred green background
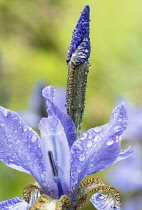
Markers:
point(34, 39)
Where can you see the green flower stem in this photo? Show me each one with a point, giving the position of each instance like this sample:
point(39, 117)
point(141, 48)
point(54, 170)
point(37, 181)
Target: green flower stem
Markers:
point(76, 89)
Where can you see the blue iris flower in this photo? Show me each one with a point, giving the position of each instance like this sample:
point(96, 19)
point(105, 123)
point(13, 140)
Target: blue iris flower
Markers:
point(57, 159)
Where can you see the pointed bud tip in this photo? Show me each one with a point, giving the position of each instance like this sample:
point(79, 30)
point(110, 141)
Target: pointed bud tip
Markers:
point(79, 50)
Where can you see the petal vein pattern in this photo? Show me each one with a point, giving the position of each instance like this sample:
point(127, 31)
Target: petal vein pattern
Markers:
point(14, 204)
point(54, 139)
point(19, 146)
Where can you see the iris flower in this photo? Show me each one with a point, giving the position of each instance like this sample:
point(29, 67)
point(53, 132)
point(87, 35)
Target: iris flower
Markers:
point(58, 161)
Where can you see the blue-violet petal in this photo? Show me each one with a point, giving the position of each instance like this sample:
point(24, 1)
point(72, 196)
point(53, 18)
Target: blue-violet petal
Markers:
point(66, 121)
point(99, 147)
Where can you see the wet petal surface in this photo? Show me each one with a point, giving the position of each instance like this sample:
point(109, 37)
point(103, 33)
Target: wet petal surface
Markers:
point(66, 121)
point(14, 204)
point(53, 140)
point(99, 147)
point(20, 146)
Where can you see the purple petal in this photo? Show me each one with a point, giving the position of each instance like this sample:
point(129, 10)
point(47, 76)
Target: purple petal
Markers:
point(36, 102)
point(19, 145)
point(124, 169)
point(99, 147)
point(66, 121)
point(14, 204)
point(124, 154)
point(60, 98)
point(32, 119)
point(79, 50)
point(101, 202)
point(53, 139)
point(134, 130)
point(133, 203)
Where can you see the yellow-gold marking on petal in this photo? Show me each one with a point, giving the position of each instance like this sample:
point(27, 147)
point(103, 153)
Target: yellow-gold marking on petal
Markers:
point(63, 203)
point(80, 202)
point(84, 188)
point(31, 188)
point(45, 202)
point(109, 191)
point(96, 184)
point(87, 185)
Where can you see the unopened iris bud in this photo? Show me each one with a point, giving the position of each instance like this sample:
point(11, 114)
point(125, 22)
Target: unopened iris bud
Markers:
point(78, 67)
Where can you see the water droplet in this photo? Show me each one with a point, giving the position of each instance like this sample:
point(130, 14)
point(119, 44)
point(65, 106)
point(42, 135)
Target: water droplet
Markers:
point(25, 129)
point(83, 136)
point(98, 129)
point(110, 142)
point(34, 139)
point(97, 138)
point(5, 112)
point(118, 128)
point(78, 148)
point(9, 138)
point(43, 176)
point(81, 157)
point(118, 138)
point(89, 143)
point(10, 159)
point(78, 168)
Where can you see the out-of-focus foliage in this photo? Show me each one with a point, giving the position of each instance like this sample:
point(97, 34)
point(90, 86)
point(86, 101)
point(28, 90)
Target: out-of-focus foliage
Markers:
point(34, 38)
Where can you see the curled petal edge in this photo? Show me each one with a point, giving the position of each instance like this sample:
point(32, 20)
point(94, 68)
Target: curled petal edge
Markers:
point(110, 195)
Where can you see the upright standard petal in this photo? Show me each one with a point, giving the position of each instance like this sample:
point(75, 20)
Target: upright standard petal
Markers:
point(19, 146)
point(14, 204)
point(55, 151)
point(79, 50)
point(99, 147)
point(66, 121)
point(60, 98)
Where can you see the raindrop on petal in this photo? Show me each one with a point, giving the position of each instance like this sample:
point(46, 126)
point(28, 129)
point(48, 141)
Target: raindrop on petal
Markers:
point(118, 128)
point(5, 112)
point(83, 136)
point(34, 139)
point(81, 157)
point(98, 129)
point(89, 143)
point(97, 138)
point(110, 142)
